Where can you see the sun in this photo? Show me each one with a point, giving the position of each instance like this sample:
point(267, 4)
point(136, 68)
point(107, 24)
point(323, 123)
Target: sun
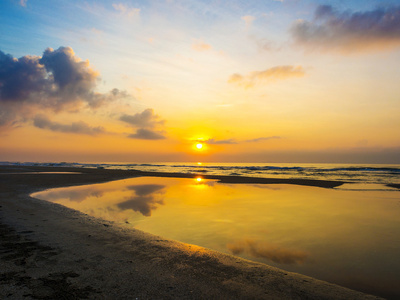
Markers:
point(199, 146)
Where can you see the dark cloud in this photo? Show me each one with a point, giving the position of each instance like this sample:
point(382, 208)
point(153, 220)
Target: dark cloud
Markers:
point(7, 116)
point(267, 251)
point(147, 197)
point(220, 142)
point(22, 79)
point(271, 74)
point(145, 119)
point(69, 74)
point(323, 11)
point(348, 32)
point(43, 122)
point(147, 134)
point(263, 139)
point(57, 81)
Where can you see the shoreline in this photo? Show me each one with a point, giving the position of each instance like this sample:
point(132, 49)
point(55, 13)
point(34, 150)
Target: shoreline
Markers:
point(48, 250)
point(114, 174)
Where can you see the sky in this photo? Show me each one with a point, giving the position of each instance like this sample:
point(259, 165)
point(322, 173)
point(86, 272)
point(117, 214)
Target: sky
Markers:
point(269, 81)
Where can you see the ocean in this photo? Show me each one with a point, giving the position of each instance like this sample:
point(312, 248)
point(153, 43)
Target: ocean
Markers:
point(378, 175)
point(348, 235)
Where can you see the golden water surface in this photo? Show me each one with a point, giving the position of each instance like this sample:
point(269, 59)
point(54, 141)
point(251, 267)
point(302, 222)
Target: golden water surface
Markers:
point(349, 237)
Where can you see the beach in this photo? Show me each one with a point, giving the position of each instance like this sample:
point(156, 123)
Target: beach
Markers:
point(48, 251)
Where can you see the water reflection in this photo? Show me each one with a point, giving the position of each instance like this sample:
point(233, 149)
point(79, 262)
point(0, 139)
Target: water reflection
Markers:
point(262, 249)
point(77, 195)
point(145, 199)
point(346, 237)
point(200, 182)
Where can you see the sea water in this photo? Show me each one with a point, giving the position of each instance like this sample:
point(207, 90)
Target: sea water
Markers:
point(379, 174)
point(346, 235)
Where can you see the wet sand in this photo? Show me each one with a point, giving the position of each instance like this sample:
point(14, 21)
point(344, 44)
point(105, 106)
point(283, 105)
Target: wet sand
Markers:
point(48, 251)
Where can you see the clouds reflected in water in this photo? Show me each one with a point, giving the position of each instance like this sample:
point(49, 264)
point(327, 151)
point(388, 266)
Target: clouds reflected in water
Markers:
point(145, 199)
point(258, 249)
point(77, 195)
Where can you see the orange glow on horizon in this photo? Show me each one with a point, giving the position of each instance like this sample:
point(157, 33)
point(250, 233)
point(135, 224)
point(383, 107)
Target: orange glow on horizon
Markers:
point(169, 99)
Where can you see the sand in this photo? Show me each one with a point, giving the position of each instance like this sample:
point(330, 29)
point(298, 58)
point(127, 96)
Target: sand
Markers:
point(48, 251)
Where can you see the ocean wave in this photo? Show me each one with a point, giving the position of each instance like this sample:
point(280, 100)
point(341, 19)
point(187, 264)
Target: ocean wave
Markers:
point(387, 174)
point(315, 170)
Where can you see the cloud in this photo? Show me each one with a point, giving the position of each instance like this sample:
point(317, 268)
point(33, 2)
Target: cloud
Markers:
point(260, 139)
point(267, 251)
point(220, 142)
point(146, 119)
point(73, 80)
point(23, 2)
point(125, 10)
point(75, 195)
point(271, 74)
point(233, 141)
point(349, 32)
point(265, 45)
point(43, 122)
point(23, 79)
point(147, 197)
point(236, 78)
point(248, 20)
point(57, 81)
point(201, 46)
point(147, 134)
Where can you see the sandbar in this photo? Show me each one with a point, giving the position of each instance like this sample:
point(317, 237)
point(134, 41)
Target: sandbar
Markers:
point(48, 251)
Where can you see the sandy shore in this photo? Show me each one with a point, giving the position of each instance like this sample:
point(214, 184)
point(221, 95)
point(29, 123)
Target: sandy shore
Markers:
point(48, 251)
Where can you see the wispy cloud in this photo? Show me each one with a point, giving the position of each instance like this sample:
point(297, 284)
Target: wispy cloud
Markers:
point(349, 32)
point(232, 141)
point(81, 127)
point(221, 142)
point(268, 75)
point(261, 139)
point(201, 46)
point(248, 20)
point(126, 10)
point(23, 2)
point(265, 44)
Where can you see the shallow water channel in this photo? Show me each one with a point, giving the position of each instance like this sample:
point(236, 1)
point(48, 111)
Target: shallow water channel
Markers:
point(349, 237)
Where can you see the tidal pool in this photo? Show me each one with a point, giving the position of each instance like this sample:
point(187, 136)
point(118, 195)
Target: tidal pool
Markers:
point(349, 237)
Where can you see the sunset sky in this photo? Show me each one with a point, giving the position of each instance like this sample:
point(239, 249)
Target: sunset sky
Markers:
point(251, 81)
